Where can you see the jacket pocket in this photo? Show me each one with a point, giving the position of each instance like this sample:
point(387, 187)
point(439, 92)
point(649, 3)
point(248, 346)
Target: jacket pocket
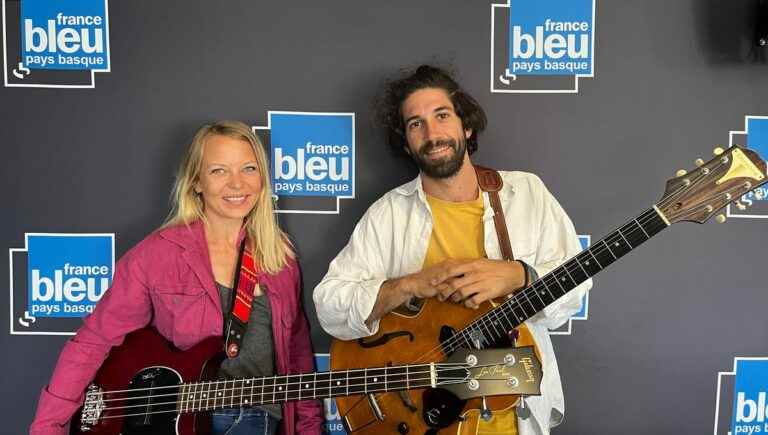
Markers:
point(179, 313)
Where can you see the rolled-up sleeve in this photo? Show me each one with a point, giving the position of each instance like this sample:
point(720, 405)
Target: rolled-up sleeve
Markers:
point(125, 307)
point(557, 243)
point(346, 295)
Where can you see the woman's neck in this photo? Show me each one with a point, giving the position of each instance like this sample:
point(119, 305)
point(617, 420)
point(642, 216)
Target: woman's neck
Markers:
point(219, 231)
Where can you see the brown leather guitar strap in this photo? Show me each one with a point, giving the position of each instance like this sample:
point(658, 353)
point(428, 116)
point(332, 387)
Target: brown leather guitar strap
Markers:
point(490, 181)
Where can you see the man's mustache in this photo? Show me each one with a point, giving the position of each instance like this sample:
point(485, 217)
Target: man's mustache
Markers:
point(429, 145)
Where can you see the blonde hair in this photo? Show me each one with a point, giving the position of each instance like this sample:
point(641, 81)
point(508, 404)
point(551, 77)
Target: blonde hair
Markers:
point(270, 246)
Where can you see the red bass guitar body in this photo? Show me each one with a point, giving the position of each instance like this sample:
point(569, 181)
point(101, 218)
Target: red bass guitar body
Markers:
point(147, 363)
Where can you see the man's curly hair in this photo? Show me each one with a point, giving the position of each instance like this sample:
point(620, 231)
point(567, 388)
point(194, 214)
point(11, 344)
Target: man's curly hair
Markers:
point(401, 87)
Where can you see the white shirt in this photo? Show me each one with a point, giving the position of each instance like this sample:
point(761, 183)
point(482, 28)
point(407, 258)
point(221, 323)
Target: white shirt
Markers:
point(391, 241)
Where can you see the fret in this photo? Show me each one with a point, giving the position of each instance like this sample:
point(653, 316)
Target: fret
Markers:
point(603, 252)
point(542, 291)
point(245, 398)
point(520, 299)
point(375, 380)
point(336, 384)
point(515, 308)
point(559, 280)
point(181, 406)
point(250, 393)
point(261, 391)
point(575, 271)
point(531, 289)
point(498, 324)
point(347, 373)
point(487, 335)
point(306, 383)
point(591, 254)
point(531, 303)
point(292, 387)
point(323, 385)
point(647, 236)
point(314, 386)
point(207, 395)
point(218, 399)
point(193, 398)
point(397, 378)
point(625, 239)
point(273, 389)
point(282, 390)
point(618, 246)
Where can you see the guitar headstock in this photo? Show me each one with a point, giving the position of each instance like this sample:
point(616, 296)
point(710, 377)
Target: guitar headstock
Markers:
point(697, 195)
point(491, 372)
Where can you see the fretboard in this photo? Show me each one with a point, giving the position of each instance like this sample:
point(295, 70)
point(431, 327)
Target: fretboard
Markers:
point(496, 323)
point(206, 396)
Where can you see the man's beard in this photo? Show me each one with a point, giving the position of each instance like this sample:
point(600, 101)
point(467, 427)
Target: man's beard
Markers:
point(444, 167)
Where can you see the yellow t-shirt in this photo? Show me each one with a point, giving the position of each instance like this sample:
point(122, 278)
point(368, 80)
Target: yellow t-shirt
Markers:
point(457, 233)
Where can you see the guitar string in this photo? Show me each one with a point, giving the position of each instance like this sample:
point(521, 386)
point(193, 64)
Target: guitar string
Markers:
point(195, 402)
point(439, 366)
point(496, 316)
point(598, 249)
point(176, 411)
point(669, 199)
point(548, 279)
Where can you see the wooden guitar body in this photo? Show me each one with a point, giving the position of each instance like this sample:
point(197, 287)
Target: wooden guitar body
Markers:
point(405, 338)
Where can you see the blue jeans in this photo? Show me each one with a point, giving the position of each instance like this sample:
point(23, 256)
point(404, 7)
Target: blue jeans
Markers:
point(241, 421)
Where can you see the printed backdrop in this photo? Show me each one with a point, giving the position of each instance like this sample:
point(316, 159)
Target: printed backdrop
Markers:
point(603, 100)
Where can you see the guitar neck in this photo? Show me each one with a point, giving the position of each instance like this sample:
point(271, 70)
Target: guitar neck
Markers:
point(233, 393)
point(495, 324)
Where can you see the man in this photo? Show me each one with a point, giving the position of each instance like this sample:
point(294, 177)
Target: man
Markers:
point(435, 236)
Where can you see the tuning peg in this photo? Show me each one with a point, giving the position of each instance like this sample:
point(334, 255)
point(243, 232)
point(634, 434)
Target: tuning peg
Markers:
point(699, 162)
point(717, 151)
point(681, 172)
point(720, 218)
point(740, 206)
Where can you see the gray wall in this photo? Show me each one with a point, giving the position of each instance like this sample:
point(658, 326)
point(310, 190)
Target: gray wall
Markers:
point(672, 78)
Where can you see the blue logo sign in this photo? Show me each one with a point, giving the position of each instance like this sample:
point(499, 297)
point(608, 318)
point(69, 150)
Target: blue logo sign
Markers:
point(65, 35)
point(67, 273)
point(312, 154)
point(549, 39)
point(750, 408)
point(333, 424)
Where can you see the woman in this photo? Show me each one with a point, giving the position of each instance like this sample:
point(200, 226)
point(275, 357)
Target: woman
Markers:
point(180, 278)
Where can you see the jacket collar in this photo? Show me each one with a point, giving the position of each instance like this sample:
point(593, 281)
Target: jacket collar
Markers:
point(191, 238)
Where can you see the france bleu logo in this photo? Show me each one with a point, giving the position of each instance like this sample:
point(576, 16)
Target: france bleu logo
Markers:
point(541, 45)
point(754, 204)
point(56, 279)
point(747, 411)
point(313, 157)
point(60, 44)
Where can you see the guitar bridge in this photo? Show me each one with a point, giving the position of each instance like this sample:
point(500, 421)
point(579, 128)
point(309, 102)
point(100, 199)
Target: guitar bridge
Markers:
point(92, 407)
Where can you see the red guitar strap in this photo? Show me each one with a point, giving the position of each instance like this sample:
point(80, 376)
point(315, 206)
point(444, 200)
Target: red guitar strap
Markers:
point(242, 299)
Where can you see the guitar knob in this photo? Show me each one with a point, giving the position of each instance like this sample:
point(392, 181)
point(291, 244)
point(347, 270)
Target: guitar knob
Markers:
point(698, 162)
point(717, 151)
point(681, 172)
point(403, 428)
point(720, 218)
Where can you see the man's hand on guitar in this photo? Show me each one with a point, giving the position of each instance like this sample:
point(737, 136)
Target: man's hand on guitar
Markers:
point(476, 281)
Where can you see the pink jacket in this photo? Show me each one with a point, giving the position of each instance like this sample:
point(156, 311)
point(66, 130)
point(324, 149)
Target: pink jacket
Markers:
point(166, 280)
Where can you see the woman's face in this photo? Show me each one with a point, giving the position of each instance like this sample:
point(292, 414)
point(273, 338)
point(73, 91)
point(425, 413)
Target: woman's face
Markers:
point(229, 180)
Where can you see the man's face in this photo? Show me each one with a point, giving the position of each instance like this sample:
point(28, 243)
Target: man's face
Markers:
point(435, 135)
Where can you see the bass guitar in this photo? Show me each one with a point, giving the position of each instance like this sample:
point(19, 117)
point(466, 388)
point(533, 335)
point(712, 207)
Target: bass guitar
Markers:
point(146, 386)
point(439, 329)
